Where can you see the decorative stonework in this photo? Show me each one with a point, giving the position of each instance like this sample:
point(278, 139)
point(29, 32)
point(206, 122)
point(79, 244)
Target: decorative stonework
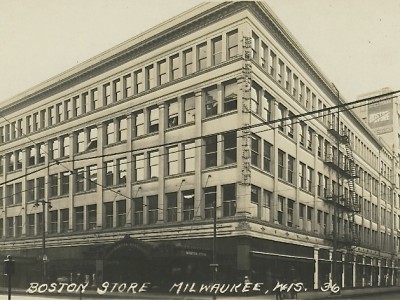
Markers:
point(246, 109)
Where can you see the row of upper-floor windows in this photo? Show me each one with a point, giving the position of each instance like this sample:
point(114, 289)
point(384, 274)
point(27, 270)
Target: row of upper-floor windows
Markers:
point(266, 56)
point(195, 58)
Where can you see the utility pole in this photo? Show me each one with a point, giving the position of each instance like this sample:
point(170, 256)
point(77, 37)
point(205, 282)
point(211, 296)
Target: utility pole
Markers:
point(335, 199)
point(44, 256)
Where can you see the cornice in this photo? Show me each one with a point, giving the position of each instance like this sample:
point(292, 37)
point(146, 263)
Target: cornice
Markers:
point(173, 33)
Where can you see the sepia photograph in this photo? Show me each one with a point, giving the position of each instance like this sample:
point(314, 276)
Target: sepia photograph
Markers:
point(185, 149)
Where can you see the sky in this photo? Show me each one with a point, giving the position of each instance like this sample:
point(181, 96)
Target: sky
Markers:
point(355, 43)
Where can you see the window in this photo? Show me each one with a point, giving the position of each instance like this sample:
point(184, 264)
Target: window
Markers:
point(40, 184)
point(320, 185)
point(31, 153)
point(138, 211)
point(302, 133)
point(30, 191)
point(211, 101)
point(128, 86)
point(188, 205)
point(263, 55)
point(150, 77)
point(272, 63)
point(281, 117)
point(138, 168)
point(53, 188)
point(117, 90)
point(172, 207)
point(138, 77)
point(51, 115)
point(153, 209)
point(121, 213)
point(79, 219)
point(281, 201)
point(172, 113)
point(233, 42)
point(172, 157)
point(310, 139)
point(153, 119)
point(255, 98)
point(94, 99)
point(175, 66)
point(210, 198)
point(290, 207)
point(77, 106)
point(10, 157)
point(110, 132)
point(64, 220)
point(216, 50)
point(189, 103)
point(92, 216)
point(267, 156)
point(188, 62)
point(290, 169)
point(211, 151)
point(122, 129)
point(109, 178)
point(109, 214)
point(139, 123)
point(302, 175)
point(291, 121)
point(65, 145)
point(121, 170)
point(30, 228)
point(255, 194)
point(54, 149)
point(267, 198)
point(79, 180)
point(153, 164)
point(80, 141)
point(254, 46)
point(92, 138)
point(28, 125)
point(255, 150)
point(230, 96)
point(202, 56)
point(229, 143)
point(162, 72)
point(268, 100)
point(92, 178)
point(310, 179)
point(188, 157)
point(229, 199)
point(301, 210)
point(288, 79)
point(107, 94)
point(309, 213)
point(42, 153)
point(281, 164)
point(18, 193)
point(9, 194)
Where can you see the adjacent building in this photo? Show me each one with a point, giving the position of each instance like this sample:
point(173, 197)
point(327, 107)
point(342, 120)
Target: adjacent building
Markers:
point(112, 170)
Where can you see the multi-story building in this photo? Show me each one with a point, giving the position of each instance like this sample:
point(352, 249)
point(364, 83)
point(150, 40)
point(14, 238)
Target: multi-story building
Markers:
point(113, 168)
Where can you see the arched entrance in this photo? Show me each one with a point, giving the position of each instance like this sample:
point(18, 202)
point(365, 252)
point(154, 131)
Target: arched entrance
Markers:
point(128, 260)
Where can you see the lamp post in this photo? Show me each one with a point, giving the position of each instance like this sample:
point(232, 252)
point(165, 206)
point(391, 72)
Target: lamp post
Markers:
point(9, 268)
point(44, 256)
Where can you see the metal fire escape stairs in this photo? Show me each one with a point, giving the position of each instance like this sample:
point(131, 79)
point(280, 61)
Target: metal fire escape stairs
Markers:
point(349, 204)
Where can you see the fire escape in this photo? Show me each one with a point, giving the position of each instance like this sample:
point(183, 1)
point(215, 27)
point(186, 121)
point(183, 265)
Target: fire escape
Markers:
point(346, 203)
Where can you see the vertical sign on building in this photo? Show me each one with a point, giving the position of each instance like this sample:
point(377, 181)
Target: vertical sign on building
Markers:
point(380, 116)
point(246, 88)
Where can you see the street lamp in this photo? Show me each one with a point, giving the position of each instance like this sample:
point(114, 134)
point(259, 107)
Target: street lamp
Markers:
point(44, 256)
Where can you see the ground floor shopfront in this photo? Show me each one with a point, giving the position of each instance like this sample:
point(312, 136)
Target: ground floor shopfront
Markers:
point(164, 263)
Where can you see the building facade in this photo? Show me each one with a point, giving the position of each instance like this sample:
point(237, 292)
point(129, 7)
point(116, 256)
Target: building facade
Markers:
point(112, 169)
